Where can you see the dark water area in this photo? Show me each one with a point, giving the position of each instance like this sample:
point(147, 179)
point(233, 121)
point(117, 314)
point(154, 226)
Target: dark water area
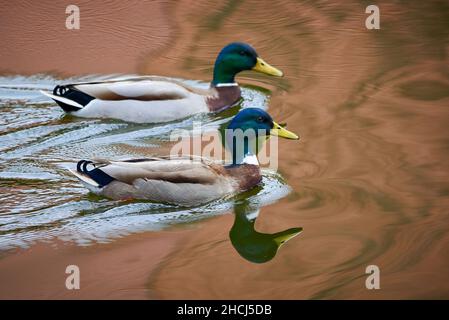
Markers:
point(368, 181)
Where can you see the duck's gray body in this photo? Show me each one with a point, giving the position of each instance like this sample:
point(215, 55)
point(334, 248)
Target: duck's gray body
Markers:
point(181, 181)
point(147, 99)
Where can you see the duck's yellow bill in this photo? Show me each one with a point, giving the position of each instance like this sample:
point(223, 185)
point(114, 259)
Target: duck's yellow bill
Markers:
point(282, 132)
point(262, 66)
point(283, 236)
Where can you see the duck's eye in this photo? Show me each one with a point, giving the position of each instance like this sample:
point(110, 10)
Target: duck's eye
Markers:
point(242, 53)
point(260, 119)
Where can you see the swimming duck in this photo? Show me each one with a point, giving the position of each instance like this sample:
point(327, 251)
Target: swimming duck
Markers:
point(152, 99)
point(186, 181)
point(252, 245)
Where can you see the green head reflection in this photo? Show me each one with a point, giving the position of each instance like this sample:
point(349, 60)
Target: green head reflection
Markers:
point(255, 246)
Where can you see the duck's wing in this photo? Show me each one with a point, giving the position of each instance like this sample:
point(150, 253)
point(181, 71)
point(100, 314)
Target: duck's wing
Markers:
point(178, 170)
point(148, 99)
point(179, 181)
point(140, 89)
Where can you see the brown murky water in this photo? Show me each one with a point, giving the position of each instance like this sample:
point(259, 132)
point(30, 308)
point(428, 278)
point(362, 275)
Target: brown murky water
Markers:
point(369, 180)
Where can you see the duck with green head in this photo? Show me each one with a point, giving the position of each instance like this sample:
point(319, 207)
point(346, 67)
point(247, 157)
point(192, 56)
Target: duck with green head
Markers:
point(185, 181)
point(152, 99)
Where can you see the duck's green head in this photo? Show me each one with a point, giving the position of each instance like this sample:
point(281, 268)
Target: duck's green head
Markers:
point(237, 57)
point(260, 122)
point(245, 129)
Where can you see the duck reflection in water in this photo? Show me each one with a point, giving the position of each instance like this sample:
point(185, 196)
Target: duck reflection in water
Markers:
point(252, 245)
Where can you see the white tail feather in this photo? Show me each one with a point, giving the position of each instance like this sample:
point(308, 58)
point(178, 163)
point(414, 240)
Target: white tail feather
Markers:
point(87, 181)
point(62, 99)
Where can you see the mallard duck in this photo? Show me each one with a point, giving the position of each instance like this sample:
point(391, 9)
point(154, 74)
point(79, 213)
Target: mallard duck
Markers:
point(185, 181)
point(152, 99)
point(252, 245)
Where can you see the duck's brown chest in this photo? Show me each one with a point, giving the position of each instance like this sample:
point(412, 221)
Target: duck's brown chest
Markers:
point(246, 175)
point(223, 98)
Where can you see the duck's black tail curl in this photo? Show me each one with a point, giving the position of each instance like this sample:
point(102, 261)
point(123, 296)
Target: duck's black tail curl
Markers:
point(70, 93)
point(96, 174)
